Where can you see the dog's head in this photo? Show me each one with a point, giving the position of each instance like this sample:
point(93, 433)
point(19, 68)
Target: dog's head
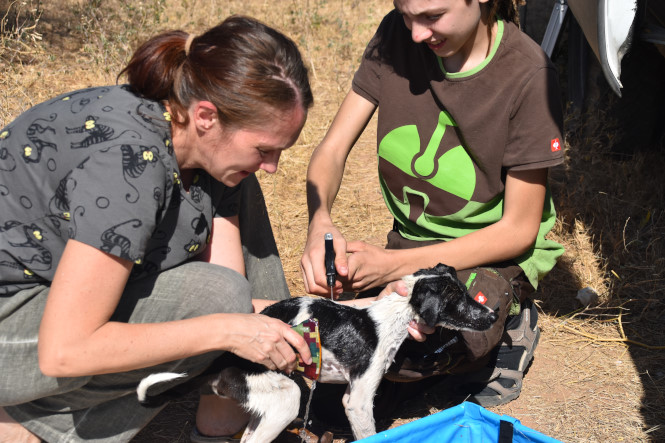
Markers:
point(440, 299)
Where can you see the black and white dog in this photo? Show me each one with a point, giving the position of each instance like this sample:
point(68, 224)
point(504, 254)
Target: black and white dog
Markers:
point(358, 346)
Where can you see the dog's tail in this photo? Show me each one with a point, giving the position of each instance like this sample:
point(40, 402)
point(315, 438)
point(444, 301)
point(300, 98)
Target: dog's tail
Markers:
point(153, 379)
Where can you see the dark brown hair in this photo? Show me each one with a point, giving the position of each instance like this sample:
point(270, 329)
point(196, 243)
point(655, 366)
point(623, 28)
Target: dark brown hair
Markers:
point(244, 67)
point(508, 10)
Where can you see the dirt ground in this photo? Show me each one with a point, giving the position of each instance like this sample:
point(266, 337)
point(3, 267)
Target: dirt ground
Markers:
point(598, 374)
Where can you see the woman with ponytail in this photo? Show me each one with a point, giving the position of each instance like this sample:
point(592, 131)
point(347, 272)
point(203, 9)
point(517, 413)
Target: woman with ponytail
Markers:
point(134, 237)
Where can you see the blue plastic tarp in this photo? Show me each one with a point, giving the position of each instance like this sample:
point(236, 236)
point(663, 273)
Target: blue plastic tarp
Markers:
point(464, 423)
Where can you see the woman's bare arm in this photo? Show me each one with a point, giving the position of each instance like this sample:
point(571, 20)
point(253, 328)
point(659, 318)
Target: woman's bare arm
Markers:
point(77, 338)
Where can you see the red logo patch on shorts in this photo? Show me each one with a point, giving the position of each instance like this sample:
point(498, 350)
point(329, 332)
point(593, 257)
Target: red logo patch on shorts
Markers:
point(556, 145)
point(480, 298)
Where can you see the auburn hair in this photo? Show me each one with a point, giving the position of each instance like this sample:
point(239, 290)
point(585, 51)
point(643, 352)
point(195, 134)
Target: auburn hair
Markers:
point(244, 67)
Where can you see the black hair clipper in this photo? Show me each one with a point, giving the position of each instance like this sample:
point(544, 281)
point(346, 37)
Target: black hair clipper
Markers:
point(331, 274)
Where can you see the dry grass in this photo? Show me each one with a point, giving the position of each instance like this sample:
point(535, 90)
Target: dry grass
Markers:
point(594, 377)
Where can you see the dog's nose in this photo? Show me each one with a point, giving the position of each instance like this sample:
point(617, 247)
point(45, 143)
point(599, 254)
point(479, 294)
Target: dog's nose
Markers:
point(494, 317)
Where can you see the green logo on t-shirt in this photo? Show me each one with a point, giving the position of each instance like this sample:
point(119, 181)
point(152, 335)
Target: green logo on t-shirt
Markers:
point(448, 168)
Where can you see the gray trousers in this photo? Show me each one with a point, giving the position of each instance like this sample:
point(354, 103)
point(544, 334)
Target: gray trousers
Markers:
point(104, 407)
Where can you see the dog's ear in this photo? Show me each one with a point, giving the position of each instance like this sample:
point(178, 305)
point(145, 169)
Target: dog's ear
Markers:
point(425, 300)
point(449, 270)
point(442, 269)
point(438, 270)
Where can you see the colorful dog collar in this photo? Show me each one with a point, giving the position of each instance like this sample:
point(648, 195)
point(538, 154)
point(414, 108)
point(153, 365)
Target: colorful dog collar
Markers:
point(309, 329)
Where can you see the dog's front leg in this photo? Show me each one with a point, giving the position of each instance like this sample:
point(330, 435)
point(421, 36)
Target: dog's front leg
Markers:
point(360, 405)
point(254, 422)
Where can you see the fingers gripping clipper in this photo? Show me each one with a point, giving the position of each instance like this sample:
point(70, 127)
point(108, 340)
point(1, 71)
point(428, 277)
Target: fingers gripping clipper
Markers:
point(331, 274)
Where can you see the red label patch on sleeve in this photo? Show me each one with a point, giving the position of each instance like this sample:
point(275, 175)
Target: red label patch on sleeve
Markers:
point(556, 145)
point(480, 298)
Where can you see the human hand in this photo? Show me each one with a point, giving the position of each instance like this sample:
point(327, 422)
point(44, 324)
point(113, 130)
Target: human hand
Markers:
point(312, 263)
point(419, 331)
point(398, 287)
point(268, 341)
point(369, 266)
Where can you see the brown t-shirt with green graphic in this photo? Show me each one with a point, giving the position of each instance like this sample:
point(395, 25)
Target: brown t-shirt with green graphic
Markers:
point(447, 140)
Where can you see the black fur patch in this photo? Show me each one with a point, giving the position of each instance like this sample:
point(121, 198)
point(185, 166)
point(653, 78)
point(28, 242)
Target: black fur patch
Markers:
point(285, 310)
point(232, 383)
point(348, 332)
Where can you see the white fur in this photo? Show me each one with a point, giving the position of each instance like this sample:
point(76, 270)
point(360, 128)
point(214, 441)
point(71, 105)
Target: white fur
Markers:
point(160, 377)
point(392, 314)
point(274, 400)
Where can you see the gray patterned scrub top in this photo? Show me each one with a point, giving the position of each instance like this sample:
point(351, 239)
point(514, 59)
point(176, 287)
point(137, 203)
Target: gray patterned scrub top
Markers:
point(97, 165)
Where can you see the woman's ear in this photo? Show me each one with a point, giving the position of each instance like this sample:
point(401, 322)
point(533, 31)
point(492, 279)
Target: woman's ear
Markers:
point(205, 115)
